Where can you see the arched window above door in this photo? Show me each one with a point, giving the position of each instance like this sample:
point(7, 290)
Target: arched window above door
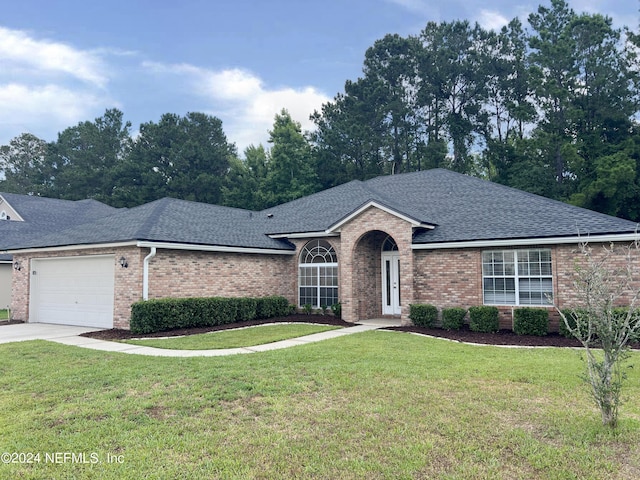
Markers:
point(389, 245)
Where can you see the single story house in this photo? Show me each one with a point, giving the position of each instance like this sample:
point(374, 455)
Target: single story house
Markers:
point(376, 246)
point(23, 217)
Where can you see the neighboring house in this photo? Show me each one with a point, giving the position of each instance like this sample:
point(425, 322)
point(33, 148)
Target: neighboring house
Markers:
point(24, 217)
point(5, 281)
point(377, 246)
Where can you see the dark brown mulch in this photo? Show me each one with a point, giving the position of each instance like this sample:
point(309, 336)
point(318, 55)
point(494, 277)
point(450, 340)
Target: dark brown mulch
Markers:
point(503, 337)
point(116, 334)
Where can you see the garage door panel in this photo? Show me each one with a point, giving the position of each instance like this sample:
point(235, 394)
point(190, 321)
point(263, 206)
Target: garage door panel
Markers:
point(73, 291)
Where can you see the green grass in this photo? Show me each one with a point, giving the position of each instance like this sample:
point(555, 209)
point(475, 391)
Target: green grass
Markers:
point(4, 314)
point(243, 337)
point(373, 405)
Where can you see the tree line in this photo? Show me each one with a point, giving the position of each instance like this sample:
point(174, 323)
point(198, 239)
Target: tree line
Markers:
point(551, 109)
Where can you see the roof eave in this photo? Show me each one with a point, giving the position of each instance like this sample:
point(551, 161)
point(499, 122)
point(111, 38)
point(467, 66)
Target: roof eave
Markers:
point(516, 242)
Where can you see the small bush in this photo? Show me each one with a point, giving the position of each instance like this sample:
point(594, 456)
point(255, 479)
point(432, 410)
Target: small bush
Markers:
point(573, 313)
point(484, 319)
point(423, 315)
point(453, 318)
point(336, 308)
point(170, 313)
point(531, 321)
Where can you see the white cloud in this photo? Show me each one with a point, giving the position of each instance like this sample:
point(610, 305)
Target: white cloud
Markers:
point(42, 110)
point(47, 86)
point(20, 52)
point(492, 20)
point(244, 103)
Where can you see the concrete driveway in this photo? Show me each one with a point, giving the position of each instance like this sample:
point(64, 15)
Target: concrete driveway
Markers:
point(40, 331)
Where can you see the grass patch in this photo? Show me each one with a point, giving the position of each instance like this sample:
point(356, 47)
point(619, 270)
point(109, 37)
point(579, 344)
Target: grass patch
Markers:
point(372, 405)
point(235, 338)
point(4, 314)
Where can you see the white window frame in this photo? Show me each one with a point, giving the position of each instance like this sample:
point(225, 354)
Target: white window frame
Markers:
point(517, 276)
point(317, 268)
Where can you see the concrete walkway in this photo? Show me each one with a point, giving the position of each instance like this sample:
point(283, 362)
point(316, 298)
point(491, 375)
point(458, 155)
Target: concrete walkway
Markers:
point(68, 335)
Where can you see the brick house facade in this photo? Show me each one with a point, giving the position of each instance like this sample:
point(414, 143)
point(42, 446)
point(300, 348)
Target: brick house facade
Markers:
point(350, 243)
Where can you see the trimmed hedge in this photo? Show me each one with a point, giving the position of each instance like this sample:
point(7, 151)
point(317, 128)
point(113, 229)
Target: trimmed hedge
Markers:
point(484, 319)
point(171, 313)
point(531, 321)
point(423, 315)
point(453, 318)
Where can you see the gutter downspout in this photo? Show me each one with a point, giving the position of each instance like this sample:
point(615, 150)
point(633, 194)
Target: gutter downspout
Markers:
point(145, 273)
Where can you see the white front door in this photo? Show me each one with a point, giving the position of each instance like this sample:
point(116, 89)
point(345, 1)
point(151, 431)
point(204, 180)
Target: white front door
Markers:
point(391, 283)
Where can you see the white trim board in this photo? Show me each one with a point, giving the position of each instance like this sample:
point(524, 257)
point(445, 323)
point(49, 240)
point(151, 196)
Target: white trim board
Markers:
point(620, 237)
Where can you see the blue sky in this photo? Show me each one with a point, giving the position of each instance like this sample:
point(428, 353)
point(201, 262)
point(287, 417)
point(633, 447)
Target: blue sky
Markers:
point(66, 61)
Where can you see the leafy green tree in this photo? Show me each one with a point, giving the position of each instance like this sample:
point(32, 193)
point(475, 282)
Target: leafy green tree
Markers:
point(85, 157)
point(182, 157)
point(453, 88)
point(391, 67)
point(290, 171)
point(348, 139)
point(23, 166)
point(244, 183)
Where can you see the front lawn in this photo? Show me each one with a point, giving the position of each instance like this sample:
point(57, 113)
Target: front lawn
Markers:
point(4, 314)
point(242, 337)
point(372, 405)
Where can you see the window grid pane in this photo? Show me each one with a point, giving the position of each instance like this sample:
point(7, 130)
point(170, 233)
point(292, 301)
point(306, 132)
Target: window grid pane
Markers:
point(318, 275)
point(517, 277)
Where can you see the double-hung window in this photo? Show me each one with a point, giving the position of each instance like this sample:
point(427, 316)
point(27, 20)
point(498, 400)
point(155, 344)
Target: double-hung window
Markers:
point(517, 277)
point(318, 275)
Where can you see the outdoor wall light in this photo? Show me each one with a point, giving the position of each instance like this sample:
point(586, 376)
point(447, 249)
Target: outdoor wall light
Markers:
point(123, 262)
point(17, 266)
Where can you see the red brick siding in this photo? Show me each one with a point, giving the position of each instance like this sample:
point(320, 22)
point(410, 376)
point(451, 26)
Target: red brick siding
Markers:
point(360, 268)
point(178, 273)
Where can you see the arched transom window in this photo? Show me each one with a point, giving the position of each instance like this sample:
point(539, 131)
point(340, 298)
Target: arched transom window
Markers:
point(318, 275)
point(389, 245)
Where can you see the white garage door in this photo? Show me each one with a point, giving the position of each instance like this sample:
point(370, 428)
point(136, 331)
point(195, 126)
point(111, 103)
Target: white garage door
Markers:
point(73, 291)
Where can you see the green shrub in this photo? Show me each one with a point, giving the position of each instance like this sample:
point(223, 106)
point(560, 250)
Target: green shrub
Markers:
point(453, 318)
point(423, 315)
point(573, 313)
point(171, 313)
point(531, 321)
point(336, 308)
point(247, 309)
point(484, 319)
point(272, 306)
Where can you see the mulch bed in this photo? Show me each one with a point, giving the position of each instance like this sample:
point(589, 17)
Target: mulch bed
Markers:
point(503, 337)
point(116, 334)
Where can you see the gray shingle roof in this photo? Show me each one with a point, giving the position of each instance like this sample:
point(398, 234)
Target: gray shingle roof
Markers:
point(171, 221)
point(461, 208)
point(43, 216)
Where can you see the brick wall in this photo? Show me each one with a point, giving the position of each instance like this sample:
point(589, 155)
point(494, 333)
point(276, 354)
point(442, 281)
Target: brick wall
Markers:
point(175, 273)
point(361, 243)
point(180, 273)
